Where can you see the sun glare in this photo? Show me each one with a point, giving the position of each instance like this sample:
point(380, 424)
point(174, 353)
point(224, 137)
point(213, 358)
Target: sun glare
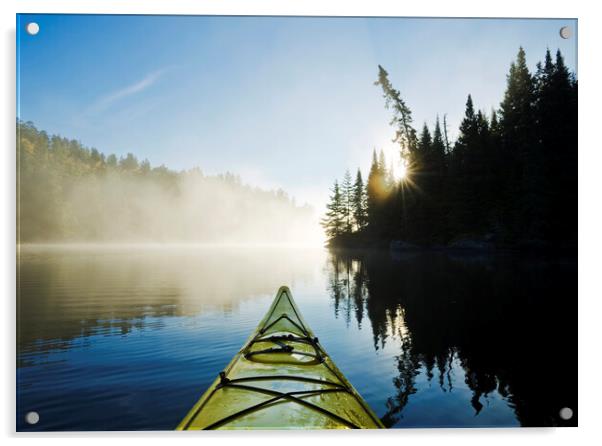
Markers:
point(397, 164)
point(402, 170)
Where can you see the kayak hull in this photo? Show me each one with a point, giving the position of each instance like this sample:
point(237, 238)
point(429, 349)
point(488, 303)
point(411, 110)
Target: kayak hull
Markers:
point(281, 379)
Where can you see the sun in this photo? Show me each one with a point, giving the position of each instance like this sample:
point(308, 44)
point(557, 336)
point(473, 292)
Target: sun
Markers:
point(397, 164)
point(402, 169)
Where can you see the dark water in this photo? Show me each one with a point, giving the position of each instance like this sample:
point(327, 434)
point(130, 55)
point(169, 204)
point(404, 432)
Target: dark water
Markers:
point(129, 338)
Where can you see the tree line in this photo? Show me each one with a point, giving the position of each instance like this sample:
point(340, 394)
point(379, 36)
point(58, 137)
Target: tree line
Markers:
point(69, 192)
point(509, 178)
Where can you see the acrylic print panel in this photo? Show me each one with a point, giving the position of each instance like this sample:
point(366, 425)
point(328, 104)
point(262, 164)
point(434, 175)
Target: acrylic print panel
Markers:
point(295, 222)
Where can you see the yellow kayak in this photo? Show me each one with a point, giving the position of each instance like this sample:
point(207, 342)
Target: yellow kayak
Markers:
point(281, 379)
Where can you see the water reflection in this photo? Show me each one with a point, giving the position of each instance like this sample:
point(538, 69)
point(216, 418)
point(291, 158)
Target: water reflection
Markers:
point(128, 338)
point(73, 293)
point(503, 326)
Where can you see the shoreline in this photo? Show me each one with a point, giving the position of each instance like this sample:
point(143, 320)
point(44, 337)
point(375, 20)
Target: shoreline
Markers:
point(459, 246)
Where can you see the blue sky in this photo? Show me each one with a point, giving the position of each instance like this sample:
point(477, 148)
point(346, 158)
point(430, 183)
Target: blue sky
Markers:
point(283, 101)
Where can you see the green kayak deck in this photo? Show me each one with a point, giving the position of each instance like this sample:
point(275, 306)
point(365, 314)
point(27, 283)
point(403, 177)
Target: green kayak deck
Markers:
point(281, 379)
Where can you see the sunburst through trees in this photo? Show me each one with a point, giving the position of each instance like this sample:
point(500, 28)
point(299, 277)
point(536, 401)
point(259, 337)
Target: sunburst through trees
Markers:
point(510, 177)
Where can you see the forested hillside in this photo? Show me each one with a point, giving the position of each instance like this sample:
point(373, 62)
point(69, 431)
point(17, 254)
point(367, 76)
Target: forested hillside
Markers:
point(70, 193)
point(510, 178)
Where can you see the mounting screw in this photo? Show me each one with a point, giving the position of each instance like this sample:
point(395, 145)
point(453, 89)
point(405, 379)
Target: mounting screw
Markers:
point(565, 32)
point(566, 413)
point(32, 28)
point(32, 417)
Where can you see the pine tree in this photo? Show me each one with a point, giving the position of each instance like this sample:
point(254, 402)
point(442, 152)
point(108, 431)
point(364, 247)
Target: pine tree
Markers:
point(145, 167)
point(400, 199)
point(390, 177)
point(382, 163)
point(334, 221)
point(420, 164)
point(461, 171)
point(405, 135)
point(417, 222)
point(375, 192)
point(347, 198)
point(447, 145)
point(469, 122)
point(439, 193)
point(425, 141)
point(129, 163)
point(497, 183)
point(112, 160)
point(520, 152)
point(555, 110)
point(439, 149)
point(360, 215)
point(481, 163)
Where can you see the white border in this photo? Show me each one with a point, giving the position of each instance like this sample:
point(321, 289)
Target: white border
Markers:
point(590, 225)
point(509, 8)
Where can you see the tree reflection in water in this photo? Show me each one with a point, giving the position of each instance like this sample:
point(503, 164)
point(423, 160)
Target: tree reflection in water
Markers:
point(507, 324)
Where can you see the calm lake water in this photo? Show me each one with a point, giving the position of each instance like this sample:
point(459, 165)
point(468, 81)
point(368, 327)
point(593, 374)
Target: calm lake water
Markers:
point(129, 338)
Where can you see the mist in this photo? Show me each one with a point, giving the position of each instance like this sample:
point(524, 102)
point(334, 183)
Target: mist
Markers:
point(71, 194)
point(214, 209)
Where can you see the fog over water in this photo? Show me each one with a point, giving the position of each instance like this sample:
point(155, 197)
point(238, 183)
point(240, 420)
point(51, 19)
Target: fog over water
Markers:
point(198, 209)
point(69, 193)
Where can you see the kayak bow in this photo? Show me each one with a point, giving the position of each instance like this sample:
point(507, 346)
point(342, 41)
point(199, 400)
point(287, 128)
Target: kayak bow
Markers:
point(281, 379)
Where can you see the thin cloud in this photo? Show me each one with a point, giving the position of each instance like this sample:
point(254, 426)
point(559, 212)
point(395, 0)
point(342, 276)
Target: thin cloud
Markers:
point(109, 99)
